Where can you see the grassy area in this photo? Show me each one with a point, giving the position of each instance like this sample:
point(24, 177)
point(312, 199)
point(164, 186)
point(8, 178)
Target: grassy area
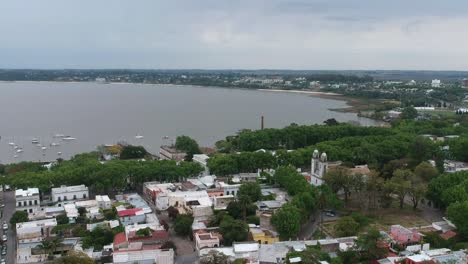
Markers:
point(439, 113)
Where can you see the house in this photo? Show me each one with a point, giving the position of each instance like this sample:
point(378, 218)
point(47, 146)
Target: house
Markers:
point(245, 177)
point(263, 236)
point(103, 202)
point(221, 202)
point(404, 235)
point(72, 212)
point(131, 237)
point(35, 230)
point(131, 216)
point(143, 255)
point(171, 153)
point(152, 190)
point(28, 200)
point(229, 189)
point(198, 203)
point(206, 240)
point(69, 193)
point(239, 250)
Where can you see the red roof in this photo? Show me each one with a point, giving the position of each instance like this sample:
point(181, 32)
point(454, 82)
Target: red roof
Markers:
point(447, 235)
point(120, 238)
point(128, 212)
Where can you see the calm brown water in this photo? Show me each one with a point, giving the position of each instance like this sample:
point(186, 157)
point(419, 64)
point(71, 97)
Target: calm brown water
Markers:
point(97, 114)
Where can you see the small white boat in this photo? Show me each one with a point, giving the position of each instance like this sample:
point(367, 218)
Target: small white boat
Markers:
point(35, 141)
point(15, 147)
point(138, 136)
point(54, 144)
point(38, 145)
point(15, 156)
point(19, 150)
point(68, 138)
point(59, 153)
point(12, 144)
point(58, 136)
point(44, 148)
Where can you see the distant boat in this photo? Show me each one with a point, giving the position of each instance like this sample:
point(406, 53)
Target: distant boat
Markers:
point(166, 137)
point(139, 136)
point(12, 144)
point(59, 153)
point(44, 148)
point(68, 138)
point(58, 136)
point(15, 156)
point(19, 151)
point(53, 144)
point(15, 147)
point(35, 141)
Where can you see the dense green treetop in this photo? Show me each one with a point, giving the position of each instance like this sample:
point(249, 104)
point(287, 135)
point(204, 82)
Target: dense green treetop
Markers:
point(187, 145)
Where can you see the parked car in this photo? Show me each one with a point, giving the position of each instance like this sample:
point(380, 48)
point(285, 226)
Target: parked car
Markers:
point(4, 238)
point(2, 205)
point(5, 226)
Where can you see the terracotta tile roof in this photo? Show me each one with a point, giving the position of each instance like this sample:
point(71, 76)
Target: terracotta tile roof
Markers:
point(120, 238)
point(447, 235)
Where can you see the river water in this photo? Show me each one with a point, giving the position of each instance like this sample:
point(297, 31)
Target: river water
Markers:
point(97, 114)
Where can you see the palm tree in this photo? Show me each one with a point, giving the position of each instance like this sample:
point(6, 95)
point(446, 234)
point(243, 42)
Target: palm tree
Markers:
point(46, 246)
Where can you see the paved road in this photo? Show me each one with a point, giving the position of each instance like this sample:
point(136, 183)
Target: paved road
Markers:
point(309, 228)
point(8, 211)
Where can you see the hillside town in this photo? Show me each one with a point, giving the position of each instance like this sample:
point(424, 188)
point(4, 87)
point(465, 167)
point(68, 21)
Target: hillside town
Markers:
point(255, 205)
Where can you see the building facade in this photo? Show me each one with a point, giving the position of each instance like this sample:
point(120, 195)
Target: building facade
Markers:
point(28, 200)
point(69, 193)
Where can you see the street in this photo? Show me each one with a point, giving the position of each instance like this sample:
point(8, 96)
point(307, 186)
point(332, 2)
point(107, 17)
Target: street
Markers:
point(8, 211)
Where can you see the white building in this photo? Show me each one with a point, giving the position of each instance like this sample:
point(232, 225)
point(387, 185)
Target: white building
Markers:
point(34, 230)
point(103, 202)
point(319, 166)
point(69, 193)
point(435, 83)
point(229, 189)
point(198, 203)
point(28, 200)
point(160, 256)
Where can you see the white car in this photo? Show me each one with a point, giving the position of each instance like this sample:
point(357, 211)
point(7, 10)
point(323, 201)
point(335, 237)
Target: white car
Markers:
point(4, 238)
point(5, 226)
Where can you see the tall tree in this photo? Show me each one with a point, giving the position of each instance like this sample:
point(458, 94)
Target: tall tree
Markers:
point(370, 246)
point(458, 213)
point(188, 145)
point(183, 224)
point(400, 185)
point(287, 221)
point(426, 171)
point(251, 190)
point(339, 179)
point(233, 230)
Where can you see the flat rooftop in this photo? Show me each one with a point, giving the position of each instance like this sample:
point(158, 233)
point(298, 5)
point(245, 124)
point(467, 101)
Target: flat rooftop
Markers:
point(66, 189)
point(26, 193)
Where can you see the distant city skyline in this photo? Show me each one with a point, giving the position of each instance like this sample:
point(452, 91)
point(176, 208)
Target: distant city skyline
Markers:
point(243, 34)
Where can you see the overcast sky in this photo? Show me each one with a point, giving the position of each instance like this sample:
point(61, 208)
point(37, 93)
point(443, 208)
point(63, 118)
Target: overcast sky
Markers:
point(235, 34)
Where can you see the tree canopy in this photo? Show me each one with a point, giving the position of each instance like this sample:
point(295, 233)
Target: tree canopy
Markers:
point(187, 145)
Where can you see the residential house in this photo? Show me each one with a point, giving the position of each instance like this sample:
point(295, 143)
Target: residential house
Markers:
point(404, 235)
point(143, 255)
point(206, 240)
point(263, 236)
point(64, 193)
point(131, 216)
point(28, 200)
point(103, 202)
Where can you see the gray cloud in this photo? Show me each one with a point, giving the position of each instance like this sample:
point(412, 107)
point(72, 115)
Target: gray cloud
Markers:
point(301, 34)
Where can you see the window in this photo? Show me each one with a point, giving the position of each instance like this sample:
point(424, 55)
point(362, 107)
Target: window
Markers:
point(19, 204)
point(84, 195)
point(30, 202)
point(30, 210)
point(65, 198)
point(35, 202)
point(59, 199)
point(74, 197)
